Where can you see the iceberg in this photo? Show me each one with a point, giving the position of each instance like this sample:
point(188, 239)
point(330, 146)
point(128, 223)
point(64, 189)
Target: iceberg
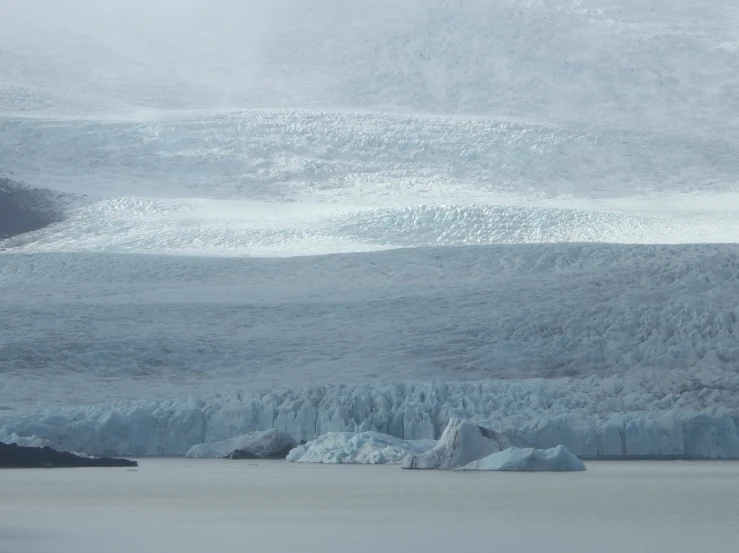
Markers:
point(461, 443)
point(557, 459)
point(269, 444)
point(371, 448)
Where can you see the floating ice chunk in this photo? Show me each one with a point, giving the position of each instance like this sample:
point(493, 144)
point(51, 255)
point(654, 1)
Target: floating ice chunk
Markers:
point(558, 459)
point(461, 443)
point(371, 448)
point(269, 444)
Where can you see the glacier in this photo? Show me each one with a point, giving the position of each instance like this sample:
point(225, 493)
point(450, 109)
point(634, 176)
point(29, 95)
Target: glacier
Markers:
point(371, 218)
point(663, 315)
point(592, 417)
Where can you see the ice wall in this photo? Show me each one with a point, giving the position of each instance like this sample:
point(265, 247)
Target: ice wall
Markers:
point(591, 417)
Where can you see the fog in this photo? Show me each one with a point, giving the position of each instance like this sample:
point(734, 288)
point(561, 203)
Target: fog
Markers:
point(164, 18)
point(587, 61)
point(156, 30)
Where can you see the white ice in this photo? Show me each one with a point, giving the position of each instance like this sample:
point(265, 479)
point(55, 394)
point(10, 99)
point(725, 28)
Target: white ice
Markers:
point(556, 459)
point(461, 443)
point(25, 441)
point(371, 448)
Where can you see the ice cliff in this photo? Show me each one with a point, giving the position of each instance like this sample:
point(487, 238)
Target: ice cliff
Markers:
point(591, 417)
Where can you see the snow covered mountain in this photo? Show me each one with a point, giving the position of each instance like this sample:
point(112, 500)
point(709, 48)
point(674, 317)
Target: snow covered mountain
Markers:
point(520, 212)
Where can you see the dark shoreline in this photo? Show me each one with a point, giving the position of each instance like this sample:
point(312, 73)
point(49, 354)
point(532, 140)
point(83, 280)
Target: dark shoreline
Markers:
point(14, 456)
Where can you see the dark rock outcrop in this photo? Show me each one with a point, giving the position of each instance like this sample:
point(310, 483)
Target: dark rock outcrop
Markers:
point(272, 454)
point(24, 209)
point(264, 444)
point(13, 456)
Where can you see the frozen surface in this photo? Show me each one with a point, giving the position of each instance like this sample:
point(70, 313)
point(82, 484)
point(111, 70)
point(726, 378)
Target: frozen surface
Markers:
point(592, 417)
point(556, 459)
point(377, 160)
point(162, 326)
point(263, 445)
point(369, 448)
point(190, 505)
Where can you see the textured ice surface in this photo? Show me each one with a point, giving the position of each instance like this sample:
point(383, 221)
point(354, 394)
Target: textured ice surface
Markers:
point(185, 325)
point(384, 160)
point(262, 445)
point(26, 441)
point(461, 443)
point(556, 459)
point(371, 448)
point(592, 417)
